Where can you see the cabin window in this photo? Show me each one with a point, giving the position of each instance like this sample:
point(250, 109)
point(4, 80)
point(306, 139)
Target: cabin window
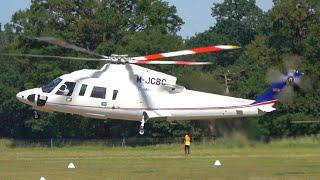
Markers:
point(115, 93)
point(66, 89)
point(98, 92)
point(83, 90)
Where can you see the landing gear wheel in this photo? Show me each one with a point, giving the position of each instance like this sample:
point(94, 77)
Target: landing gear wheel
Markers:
point(35, 115)
point(141, 131)
point(143, 120)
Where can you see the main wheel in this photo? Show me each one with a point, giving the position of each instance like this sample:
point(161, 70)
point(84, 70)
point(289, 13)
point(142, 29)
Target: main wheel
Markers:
point(141, 131)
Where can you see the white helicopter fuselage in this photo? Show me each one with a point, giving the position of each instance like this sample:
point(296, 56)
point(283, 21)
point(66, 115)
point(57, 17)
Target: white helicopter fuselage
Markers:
point(127, 92)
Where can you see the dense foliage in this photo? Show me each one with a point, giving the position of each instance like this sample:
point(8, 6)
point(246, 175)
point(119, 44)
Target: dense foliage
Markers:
point(288, 31)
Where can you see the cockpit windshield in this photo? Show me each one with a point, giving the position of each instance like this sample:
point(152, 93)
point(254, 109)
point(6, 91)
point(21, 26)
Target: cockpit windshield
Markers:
point(50, 86)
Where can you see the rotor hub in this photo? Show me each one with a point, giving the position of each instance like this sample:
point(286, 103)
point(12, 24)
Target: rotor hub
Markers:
point(290, 80)
point(120, 58)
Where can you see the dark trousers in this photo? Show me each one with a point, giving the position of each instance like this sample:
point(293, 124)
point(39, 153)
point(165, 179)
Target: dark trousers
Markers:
point(186, 149)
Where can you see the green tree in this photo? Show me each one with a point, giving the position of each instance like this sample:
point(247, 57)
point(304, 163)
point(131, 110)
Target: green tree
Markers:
point(239, 20)
point(292, 21)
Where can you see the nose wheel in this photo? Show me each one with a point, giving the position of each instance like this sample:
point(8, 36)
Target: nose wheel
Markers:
point(36, 115)
point(143, 121)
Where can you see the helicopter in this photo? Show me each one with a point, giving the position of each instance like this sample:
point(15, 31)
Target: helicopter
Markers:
point(122, 89)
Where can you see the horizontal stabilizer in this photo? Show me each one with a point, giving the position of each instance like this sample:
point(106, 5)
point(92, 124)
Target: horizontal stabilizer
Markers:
point(267, 109)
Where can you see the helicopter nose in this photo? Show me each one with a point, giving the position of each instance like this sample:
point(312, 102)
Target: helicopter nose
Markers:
point(20, 96)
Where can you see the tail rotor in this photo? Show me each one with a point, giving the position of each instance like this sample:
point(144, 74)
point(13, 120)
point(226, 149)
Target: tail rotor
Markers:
point(290, 78)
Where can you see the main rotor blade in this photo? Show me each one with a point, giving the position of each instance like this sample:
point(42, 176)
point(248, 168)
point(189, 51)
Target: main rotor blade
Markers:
point(53, 57)
point(169, 62)
point(186, 52)
point(62, 43)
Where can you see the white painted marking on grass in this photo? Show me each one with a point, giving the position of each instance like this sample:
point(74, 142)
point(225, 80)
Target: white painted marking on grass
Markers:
point(42, 178)
point(71, 166)
point(217, 163)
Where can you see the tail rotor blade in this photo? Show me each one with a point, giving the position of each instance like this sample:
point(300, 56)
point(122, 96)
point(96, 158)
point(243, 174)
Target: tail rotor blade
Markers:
point(305, 83)
point(291, 62)
point(286, 95)
point(273, 75)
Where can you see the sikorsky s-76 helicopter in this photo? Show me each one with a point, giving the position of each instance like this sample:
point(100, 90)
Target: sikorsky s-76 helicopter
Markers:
point(122, 89)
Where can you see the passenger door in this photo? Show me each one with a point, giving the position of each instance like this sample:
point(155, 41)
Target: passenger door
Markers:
point(96, 102)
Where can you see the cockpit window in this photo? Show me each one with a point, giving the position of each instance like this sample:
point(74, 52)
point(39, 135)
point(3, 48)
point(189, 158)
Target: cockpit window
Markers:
point(66, 89)
point(50, 86)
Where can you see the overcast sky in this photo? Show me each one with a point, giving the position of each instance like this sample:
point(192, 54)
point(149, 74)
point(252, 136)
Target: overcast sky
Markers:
point(196, 14)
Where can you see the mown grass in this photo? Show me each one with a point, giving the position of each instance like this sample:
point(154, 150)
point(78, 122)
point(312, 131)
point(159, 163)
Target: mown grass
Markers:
point(297, 158)
point(236, 140)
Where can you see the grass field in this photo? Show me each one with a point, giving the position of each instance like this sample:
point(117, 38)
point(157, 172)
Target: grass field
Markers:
point(255, 162)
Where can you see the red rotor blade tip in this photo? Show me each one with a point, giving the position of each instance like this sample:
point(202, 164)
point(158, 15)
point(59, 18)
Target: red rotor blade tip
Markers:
point(186, 52)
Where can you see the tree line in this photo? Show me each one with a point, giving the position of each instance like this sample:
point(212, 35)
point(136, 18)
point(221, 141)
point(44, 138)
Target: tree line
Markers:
point(286, 34)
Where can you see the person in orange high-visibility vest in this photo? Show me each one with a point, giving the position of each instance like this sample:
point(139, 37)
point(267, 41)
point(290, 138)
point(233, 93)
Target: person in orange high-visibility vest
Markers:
point(187, 142)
